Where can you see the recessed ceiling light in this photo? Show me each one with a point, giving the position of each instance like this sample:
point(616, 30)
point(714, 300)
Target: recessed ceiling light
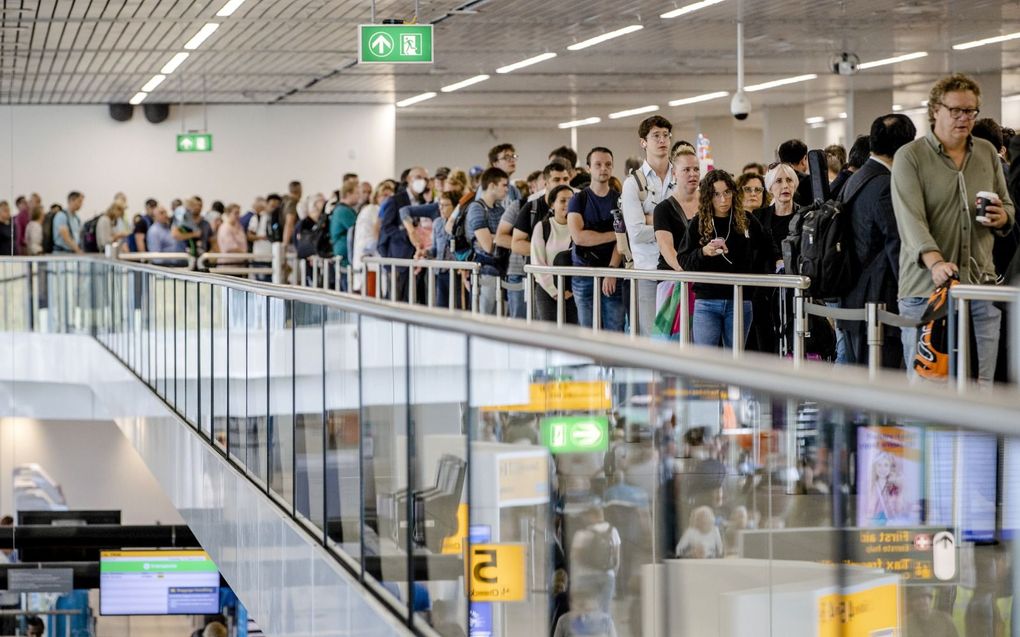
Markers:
point(151, 85)
point(174, 62)
point(468, 82)
point(893, 60)
point(605, 36)
point(523, 63)
point(417, 98)
point(634, 111)
point(688, 8)
point(229, 8)
point(581, 122)
point(201, 36)
point(995, 40)
point(699, 98)
point(138, 98)
point(783, 82)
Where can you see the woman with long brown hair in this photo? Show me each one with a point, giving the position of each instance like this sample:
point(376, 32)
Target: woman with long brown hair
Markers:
point(725, 239)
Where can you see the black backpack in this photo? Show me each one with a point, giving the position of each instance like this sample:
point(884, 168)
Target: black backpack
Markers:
point(460, 243)
point(47, 234)
point(821, 240)
point(316, 240)
point(88, 240)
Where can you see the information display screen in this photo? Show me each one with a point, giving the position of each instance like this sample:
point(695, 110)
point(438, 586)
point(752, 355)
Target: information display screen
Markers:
point(158, 583)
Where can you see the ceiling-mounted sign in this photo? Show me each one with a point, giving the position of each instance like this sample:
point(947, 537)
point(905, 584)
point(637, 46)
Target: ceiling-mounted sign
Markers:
point(194, 143)
point(395, 43)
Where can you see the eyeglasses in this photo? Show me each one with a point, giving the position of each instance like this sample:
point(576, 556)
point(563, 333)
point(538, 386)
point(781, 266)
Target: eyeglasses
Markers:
point(753, 190)
point(659, 137)
point(723, 195)
point(507, 157)
point(957, 113)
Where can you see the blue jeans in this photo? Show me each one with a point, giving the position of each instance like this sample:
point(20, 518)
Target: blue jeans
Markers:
point(515, 297)
point(612, 306)
point(841, 356)
point(986, 320)
point(713, 322)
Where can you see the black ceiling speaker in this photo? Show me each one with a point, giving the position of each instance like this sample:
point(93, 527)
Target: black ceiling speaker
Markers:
point(121, 112)
point(156, 113)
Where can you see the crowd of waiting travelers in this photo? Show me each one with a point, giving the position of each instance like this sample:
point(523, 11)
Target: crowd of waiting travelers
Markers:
point(912, 203)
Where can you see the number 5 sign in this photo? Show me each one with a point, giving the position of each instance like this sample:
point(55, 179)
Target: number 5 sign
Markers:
point(496, 573)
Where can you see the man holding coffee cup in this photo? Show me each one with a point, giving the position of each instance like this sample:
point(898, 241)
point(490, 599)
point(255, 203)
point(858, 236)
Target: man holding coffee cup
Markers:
point(949, 195)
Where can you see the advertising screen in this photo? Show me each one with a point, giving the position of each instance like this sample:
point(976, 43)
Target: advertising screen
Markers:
point(888, 476)
point(158, 583)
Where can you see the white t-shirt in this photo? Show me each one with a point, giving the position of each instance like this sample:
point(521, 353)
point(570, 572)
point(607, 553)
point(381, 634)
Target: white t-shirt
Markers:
point(260, 226)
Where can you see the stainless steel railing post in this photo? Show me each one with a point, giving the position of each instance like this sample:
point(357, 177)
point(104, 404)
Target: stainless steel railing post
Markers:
point(431, 283)
point(596, 303)
point(875, 337)
point(799, 327)
point(561, 303)
point(738, 321)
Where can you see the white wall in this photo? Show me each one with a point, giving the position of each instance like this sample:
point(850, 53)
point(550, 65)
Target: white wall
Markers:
point(465, 148)
point(94, 463)
point(256, 150)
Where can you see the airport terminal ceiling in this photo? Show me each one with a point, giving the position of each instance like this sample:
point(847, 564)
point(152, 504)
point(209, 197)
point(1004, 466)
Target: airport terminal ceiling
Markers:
point(305, 51)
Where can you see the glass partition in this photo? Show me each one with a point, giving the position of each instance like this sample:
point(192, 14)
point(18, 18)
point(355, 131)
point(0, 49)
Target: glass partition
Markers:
point(479, 484)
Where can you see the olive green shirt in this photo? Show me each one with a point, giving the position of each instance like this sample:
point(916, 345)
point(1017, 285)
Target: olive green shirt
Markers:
point(935, 208)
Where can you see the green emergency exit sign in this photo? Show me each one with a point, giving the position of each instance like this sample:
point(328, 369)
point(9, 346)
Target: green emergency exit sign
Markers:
point(194, 143)
point(575, 434)
point(395, 43)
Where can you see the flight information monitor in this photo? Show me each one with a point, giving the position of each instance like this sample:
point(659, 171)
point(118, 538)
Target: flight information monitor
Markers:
point(158, 583)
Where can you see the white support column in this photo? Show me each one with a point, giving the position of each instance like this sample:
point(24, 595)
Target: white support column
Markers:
point(782, 122)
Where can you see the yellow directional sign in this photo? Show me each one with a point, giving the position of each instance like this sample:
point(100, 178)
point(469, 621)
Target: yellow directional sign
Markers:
point(570, 395)
point(496, 573)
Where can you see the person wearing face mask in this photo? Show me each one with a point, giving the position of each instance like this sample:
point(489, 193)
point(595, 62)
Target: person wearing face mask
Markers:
point(394, 241)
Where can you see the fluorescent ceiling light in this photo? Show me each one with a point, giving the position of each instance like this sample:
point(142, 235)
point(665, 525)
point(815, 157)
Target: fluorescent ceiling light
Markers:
point(581, 122)
point(523, 63)
point(899, 58)
point(229, 8)
point(916, 111)
point(201, 36)
point(417, 98)
point(842, 115)
point(138, 98)
point(634, 111)
point(995, 40)
point(174, 62)
point(605, 36)
point(782, 82)
point(815, 120)
point(699, 98)
point(897, 107)
point(468, 82)
point(1012, 98)
point(151, 85)
point(688, 8)
point(818, 125)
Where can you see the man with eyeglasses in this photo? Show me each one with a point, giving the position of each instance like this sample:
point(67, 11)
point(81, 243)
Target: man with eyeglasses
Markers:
point(643, 189)
point(504, 157)
point(935, 182)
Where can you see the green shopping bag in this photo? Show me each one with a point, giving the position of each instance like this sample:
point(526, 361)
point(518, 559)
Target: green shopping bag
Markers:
point(665, 318)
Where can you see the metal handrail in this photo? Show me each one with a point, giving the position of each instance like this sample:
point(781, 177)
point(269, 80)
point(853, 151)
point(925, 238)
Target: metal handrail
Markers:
point(471, 267)
point(204, 258)
point(149, 257)
point(739, 281)
point(890, 392)
point(960, 298)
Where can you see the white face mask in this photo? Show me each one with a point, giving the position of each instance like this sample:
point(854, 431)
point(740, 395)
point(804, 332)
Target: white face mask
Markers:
point(418, 186)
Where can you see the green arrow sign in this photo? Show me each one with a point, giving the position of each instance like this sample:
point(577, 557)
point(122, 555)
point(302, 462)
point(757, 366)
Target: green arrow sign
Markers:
point(395, 43)
point(194, 143)
point(575, 434)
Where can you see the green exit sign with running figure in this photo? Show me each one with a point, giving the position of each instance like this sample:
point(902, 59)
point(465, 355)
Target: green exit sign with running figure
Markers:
point(194, 143)
point(395, 43)
point(575, 434)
